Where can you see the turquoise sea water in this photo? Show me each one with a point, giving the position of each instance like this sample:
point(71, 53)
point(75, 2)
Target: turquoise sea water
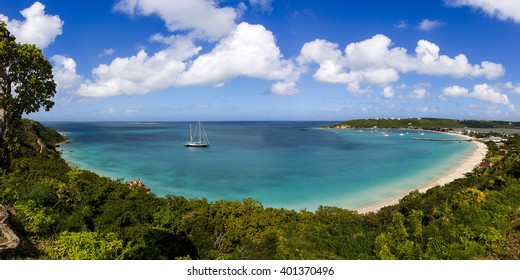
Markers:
point(281, 164)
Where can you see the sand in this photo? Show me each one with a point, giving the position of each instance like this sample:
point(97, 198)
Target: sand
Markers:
point(465, 165)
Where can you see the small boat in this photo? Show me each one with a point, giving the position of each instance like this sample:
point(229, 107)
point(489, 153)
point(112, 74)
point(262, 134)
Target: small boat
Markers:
point(198, 138)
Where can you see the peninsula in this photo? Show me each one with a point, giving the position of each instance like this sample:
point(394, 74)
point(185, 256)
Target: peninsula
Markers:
point(426, 123)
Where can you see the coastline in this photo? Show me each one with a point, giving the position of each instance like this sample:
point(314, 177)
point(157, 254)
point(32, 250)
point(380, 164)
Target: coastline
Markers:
point(465, 165)
point(422, 181)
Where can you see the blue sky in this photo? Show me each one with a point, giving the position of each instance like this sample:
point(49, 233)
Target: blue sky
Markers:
point(178, 60)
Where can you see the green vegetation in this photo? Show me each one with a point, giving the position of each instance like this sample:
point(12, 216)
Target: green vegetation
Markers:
point(424, 123)
point(26, 85)
point(65, 213)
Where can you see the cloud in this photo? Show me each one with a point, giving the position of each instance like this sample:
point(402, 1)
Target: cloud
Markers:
point(482, 92)
point(241, 9)
point(426, 109)
point(264, 5)
point(427, 24)
point(374, 53)
point(365, 60)
point(37, 28)
point(64, 71)
point(388, 92)
point(141, 73)
point(284, 88)
point(431, 62)
point(331, 60)
point(375, 61)
point(240, 50)
point(107, 52)
point(319, 51)
point(455, 91)
point(516, 89)
point(418, 93)
point(486, 93)
point(248, 51)
point(401, 25)
point(502, 9)
point(202, 17)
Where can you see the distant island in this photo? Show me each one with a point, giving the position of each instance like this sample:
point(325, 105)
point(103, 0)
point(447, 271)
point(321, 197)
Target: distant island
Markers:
point(425, 123)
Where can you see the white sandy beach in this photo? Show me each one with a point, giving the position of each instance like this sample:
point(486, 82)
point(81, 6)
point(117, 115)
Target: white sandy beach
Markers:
point(467, 164)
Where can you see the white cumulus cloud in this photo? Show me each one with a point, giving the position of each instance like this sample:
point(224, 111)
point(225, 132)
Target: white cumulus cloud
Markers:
point(250, 51)
point(502, 9)
point(284, 88)
point(433, 63)
point(375, 61)
point(240, 50)
point(247, 51)
point(141, 73)
point(455, 91)
point(482, 92)
point(64, 71)
point(37, 27)
point(331, 61)
point(203, 17)
point(486, 93)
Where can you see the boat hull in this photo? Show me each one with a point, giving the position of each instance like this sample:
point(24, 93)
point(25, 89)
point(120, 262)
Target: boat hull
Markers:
point(196, 145)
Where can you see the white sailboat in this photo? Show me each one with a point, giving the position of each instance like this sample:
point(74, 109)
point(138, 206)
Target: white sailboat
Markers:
point(198, 138)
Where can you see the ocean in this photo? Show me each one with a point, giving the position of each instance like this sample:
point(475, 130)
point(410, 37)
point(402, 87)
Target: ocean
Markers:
point(294, 165)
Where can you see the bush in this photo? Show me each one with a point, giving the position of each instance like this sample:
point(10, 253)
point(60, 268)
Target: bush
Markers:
point(86, 246)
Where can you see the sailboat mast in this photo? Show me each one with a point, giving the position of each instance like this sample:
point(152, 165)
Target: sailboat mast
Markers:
point(191, 135)
point(202, 138)
point(200, 133)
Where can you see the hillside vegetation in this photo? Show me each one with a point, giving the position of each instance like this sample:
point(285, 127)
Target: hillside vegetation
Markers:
point(425, 123)
point(66, 213)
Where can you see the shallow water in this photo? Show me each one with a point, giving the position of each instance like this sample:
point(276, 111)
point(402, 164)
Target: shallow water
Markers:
point(281, 164)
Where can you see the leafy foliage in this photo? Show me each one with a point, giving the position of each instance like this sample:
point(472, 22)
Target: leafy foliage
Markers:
point(26, 85)
point(86, 246)
point(67, 213)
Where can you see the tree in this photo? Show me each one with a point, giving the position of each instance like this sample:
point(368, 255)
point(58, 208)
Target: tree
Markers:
point(86, 246)
point(26, 83)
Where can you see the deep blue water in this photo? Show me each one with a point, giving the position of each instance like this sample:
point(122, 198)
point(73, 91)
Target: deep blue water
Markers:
point(281, 164)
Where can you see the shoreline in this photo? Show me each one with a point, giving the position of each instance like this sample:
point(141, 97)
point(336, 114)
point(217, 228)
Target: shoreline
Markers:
point(465, 165)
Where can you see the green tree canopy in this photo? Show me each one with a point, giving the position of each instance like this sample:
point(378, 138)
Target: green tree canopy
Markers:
point(26, 83)
point(86, 246)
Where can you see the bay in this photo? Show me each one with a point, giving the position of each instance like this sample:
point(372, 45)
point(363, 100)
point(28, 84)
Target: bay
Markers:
point(294, 165)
